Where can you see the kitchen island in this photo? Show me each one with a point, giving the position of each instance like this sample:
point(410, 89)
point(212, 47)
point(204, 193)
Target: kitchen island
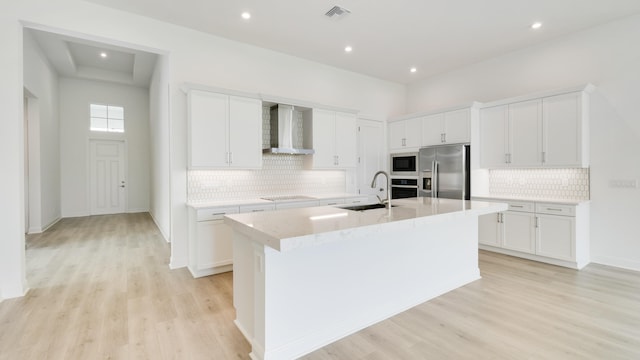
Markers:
point(304, 278)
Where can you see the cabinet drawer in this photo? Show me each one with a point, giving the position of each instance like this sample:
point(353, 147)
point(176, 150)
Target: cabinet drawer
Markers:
point(324, 202)
point(215, 213)
point(257, 208)
point(555, 209)
point(521, 206)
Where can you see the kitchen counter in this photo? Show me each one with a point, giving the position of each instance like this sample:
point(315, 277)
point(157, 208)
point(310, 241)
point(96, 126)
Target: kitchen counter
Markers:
point(287, 230)
point(305, 278)
point(538, 200)
point(260, 201)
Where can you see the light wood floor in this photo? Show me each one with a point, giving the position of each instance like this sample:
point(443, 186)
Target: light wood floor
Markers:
point(101, 289)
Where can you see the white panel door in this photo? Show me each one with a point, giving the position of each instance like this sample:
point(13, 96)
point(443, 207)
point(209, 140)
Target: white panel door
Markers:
point(562, 130)
point(525, 130)
point(107, 183)
point(413, 132)
point(457, 126)
point(208, 129)
point(245, 132)
point(345, 140)
point(493, 137)
point(324, 136)
point(396, 135)
point(370, 157)
point(490, 229)
point(519, 231)
point(433, 130)
point(556, 237)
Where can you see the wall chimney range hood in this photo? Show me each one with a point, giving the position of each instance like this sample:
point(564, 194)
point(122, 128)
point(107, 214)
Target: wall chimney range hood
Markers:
point(286, 132)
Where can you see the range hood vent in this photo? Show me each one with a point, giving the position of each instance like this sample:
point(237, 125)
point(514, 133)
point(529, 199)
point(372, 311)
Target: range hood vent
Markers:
point(286, 132)
point(337, 11)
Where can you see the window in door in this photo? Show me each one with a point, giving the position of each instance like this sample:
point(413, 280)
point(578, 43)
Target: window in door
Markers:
point(107, 118)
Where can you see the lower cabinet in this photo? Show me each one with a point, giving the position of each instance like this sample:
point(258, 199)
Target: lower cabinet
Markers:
point(547, 232)
point(210, 245)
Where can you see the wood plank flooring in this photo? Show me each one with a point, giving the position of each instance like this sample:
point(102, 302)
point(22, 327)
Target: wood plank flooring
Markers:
point(101, 289)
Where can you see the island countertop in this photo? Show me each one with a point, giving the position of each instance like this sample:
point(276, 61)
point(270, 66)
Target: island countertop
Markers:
point(286, 230)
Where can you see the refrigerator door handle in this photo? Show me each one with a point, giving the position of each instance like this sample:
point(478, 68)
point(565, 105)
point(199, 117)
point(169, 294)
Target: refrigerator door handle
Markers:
point(436, 180)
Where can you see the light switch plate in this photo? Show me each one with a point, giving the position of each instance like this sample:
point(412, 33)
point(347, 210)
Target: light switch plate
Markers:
point(624, 183)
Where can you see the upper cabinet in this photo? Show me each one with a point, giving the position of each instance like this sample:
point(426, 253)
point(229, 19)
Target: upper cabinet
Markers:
point(550, 131)
point(405, 134)
point(224, 131)
point(332, 135)
point(451, 127)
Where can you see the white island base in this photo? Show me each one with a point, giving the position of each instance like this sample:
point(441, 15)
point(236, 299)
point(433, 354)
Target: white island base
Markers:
point(332, 284)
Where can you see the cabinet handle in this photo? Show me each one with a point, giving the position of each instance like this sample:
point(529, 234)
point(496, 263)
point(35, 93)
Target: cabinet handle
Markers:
point(506, 158)
point(517, 206)
point(498, 217)
point(544, 157)
point(257, 210)
point(442, 138)
point(230, 158)
point(218, 214)
point(536, 221)
point(552, 209)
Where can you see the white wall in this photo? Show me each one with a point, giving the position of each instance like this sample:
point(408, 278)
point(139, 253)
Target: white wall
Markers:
point(75, 97)
point(41, 81)
point(12, 257)
point(159, 202)
point(605, 56)
point(194, 57)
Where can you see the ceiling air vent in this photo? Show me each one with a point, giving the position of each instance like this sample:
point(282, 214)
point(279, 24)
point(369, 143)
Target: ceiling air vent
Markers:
point(337, 11)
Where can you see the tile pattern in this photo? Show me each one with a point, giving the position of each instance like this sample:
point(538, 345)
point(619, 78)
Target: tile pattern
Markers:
point(280, 175)
point(560, 184)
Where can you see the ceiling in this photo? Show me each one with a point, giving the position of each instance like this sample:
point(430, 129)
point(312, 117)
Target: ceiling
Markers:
point(79, 58)
point(388, 37)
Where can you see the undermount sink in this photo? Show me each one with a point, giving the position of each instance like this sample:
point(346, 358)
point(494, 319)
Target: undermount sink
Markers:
point(365, 207)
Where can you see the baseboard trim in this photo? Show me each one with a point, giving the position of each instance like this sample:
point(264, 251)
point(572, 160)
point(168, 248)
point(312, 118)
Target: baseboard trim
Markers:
point(135, 211)
point(617, 262)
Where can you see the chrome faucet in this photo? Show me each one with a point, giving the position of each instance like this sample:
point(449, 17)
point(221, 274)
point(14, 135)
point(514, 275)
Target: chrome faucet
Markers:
point(386, 201)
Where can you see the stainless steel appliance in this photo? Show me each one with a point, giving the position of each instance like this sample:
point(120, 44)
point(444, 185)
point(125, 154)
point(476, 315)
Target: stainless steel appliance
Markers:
point(404, 188)
point(445, 172)
point(404, 164)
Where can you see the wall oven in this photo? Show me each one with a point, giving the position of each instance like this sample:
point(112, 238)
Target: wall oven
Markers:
point(404, 188)
point(405, 164)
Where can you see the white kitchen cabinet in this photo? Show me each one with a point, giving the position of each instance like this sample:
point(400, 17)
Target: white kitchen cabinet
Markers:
point(549, 131)
point(405, 134)
point(296, 204)
point(510, 135)
point(333, 138)
point(451, 127)
point(210, 245)
point(565, 126)
point(547, 232)
point(490, 229)
point(519, 231)
point(224, 131)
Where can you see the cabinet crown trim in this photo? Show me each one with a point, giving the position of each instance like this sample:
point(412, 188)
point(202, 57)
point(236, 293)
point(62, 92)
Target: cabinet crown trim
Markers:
point(472, 105)
point(588, 88)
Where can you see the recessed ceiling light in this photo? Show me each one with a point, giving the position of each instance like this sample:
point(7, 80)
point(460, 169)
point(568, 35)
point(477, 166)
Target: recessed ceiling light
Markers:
point(536, 25)
point(413, 69)
point(245, 15)
point(348, 49)
point(103, 54)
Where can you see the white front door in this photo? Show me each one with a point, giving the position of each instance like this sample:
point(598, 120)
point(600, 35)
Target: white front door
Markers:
point(107, 179)
point(370, 157)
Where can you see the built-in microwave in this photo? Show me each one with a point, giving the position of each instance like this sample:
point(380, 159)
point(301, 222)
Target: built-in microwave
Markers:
point(404, 164)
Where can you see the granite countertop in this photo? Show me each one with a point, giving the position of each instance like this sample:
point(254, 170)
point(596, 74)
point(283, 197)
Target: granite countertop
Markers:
point(290, 229)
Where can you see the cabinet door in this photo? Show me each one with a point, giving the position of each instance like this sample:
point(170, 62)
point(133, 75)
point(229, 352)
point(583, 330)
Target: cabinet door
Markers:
point(489, 229)
point(208, 131)
point(556, 237)
point(324, 133)
point(562, 127)
point(525, 133)
point(245, 132)
point(215, 247)
point(345, 140)
point(519, 231)
point(433, 130)
point(396, 135)
point(413, 132)
point(457, 126)
point(493, 137)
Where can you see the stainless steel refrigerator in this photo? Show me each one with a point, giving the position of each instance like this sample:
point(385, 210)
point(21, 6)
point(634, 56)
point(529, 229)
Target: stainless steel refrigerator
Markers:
point(444, 171)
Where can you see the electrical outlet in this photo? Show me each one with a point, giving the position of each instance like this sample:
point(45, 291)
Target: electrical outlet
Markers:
point(624, 183)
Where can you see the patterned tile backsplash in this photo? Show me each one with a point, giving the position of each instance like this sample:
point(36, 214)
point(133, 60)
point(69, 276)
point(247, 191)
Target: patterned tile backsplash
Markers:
point(280, 175)
point(560, 184)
